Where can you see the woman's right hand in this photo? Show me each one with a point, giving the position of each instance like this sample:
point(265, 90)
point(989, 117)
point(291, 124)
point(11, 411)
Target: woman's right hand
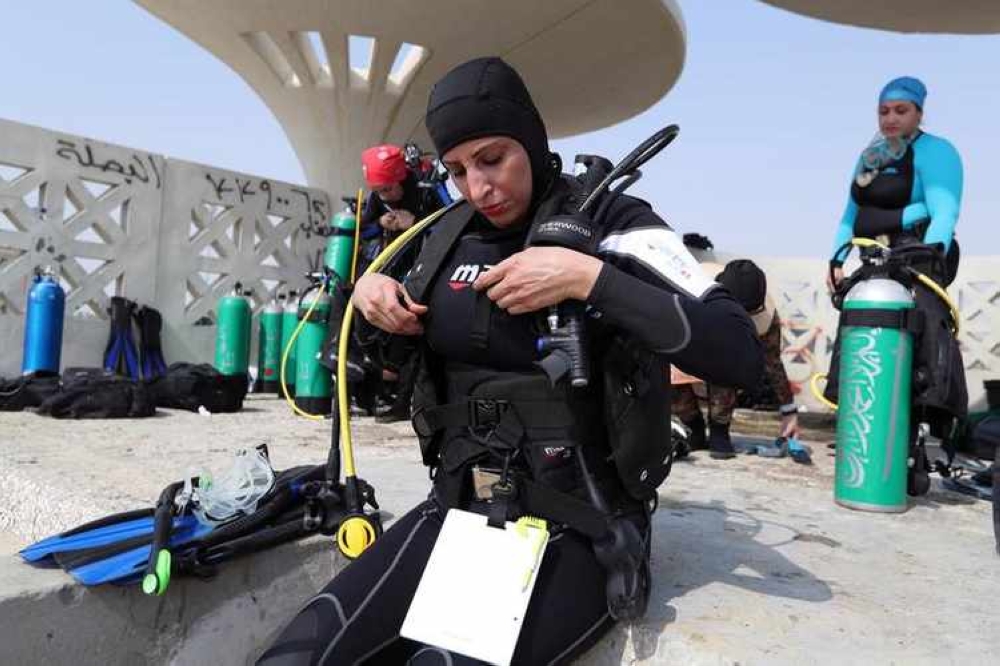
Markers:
point(834, 278)
point(386, 305)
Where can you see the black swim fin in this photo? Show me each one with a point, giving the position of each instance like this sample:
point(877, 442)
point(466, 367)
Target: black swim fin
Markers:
point(151, 360)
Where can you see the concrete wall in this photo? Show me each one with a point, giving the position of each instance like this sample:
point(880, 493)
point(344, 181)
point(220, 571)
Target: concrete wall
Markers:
point(116, 221)
point(48, 619)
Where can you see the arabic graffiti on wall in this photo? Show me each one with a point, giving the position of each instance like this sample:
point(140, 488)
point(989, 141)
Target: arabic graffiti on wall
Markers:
point(247, 188)
point(138, 167)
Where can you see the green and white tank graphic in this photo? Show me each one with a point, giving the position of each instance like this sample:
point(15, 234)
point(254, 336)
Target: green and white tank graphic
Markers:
point(873, 417)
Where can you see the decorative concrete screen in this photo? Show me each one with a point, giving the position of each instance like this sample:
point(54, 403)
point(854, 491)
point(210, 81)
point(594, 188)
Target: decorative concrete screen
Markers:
point(116, 221)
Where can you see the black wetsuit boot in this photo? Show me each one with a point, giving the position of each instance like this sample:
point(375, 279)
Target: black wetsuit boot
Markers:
point(696, 439)
point(719, 442)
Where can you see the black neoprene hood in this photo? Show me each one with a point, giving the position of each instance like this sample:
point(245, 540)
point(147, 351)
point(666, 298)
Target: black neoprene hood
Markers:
point(486, 97)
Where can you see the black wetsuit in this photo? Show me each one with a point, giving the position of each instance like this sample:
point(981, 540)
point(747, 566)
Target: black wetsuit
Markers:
point(643, 291)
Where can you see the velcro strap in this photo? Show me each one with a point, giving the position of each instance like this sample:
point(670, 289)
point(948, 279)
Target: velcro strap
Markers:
point(909, 319)
point(479, 334)
point(540, 500)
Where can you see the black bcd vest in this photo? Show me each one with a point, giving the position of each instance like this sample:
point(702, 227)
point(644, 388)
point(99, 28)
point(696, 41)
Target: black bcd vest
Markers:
point(465, 415)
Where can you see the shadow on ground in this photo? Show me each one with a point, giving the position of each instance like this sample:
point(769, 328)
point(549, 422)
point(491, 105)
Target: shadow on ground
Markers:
point(696, 544)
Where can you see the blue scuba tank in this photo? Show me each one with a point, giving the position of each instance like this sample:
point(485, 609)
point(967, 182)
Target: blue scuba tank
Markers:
point(43, 324)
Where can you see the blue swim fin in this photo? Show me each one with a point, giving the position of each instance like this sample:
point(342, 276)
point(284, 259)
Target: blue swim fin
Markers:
point(120, 355)
point(106, 536)
point(126, 561)
point(100, 532)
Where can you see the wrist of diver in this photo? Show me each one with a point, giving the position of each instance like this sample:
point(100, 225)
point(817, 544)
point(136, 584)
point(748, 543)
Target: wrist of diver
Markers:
point(587, 271)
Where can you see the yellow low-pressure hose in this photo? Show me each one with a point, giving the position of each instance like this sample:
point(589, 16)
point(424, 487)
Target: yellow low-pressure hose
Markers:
point(357, 236)
point(814, 387)
point(343, 400)
point(943, 295)
point(284, 362)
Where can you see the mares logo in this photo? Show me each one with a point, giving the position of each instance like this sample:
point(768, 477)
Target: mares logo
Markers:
point(465, 274)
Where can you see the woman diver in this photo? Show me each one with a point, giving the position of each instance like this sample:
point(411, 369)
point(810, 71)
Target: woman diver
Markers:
point(502, 438)
point(906, 190)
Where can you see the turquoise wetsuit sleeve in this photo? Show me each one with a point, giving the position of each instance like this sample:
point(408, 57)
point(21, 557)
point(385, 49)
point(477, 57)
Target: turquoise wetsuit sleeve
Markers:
point(845, 230)
point(913, 213)
point(940, 169)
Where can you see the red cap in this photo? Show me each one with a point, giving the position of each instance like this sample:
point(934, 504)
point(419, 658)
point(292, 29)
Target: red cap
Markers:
point(383, 165)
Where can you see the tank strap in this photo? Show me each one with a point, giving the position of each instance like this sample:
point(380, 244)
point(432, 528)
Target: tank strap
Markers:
point(909, 319)
point(316, 317)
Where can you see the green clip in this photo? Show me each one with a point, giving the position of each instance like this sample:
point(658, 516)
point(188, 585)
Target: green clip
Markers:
point(156, 583)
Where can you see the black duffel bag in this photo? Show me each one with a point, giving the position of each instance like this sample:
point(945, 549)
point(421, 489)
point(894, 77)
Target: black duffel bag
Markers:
point(27, 391)
point(95, 393)
point(190, 386)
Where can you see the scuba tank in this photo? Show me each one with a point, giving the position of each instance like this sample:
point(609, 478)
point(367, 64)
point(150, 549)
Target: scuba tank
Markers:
point(876, 370)
point(289, 320)
point(43, 324)
point(340, 245)
point(232, 334)
point(269, 347)
point(313, 385)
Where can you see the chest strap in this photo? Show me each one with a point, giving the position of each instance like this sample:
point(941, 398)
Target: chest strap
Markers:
point(492, 413)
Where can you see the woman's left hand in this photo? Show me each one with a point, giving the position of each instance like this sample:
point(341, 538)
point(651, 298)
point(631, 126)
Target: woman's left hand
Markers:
point(538, 277)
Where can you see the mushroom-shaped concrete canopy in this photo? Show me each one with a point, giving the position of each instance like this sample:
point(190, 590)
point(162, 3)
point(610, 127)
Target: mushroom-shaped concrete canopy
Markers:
point(588, 63)
point(945, 16)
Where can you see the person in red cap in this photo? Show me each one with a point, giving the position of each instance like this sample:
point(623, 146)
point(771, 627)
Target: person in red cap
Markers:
point(396, 200)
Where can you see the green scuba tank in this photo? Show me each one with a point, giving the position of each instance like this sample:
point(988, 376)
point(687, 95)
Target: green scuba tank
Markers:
point(289, 320)
point(313, 385)
point(232, 334)
point(269, 347)
point(873, 418)
point(340, 245)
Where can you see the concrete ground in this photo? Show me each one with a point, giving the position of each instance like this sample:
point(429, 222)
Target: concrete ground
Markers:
point(753, 562)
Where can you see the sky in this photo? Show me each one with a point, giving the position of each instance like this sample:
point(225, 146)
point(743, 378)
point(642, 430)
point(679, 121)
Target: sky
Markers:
point(773, 108)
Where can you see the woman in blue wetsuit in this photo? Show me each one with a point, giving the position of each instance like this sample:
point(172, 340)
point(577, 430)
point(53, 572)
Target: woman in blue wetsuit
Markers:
point(907, 184)
point(906, 189)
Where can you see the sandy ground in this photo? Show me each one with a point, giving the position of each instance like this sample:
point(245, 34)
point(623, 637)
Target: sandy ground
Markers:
point(753, 561)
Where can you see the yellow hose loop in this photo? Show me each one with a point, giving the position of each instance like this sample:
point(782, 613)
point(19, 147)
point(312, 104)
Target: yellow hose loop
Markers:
point(943, 295)
point(814, 387)
point(284, 362)
point(355, 535)
point(343, 401)
point(868, 242)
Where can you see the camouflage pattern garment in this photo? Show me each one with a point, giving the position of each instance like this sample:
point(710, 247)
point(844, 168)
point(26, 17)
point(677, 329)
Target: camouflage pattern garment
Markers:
point(722, 399)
